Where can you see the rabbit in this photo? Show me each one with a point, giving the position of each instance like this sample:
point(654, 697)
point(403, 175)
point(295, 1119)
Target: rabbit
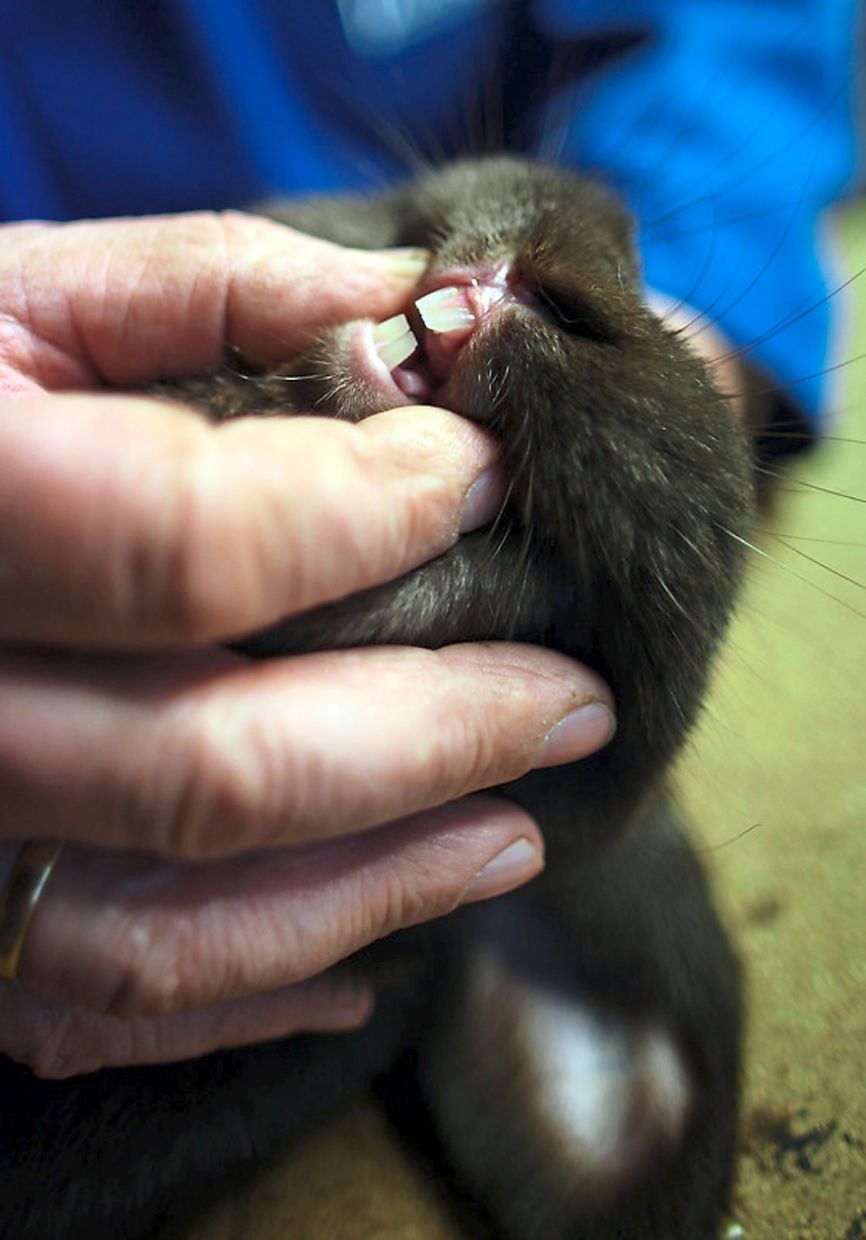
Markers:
point(576, 1044)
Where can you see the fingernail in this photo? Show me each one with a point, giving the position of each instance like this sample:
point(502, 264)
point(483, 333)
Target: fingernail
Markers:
point(484, 498)
point(579, 734)
point(514, 866)
point(405, 262)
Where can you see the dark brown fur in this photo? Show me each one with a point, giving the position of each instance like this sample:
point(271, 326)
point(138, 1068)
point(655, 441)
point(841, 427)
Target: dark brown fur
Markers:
point(619, 545)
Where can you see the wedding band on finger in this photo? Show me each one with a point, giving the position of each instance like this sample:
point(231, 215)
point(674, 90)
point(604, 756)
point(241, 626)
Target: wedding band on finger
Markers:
point(19, 896)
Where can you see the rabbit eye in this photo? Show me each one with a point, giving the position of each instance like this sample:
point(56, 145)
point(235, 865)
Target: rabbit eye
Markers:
point(575, 313)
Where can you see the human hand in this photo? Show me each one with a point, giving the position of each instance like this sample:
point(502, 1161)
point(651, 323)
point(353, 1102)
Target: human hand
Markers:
point(233, 828)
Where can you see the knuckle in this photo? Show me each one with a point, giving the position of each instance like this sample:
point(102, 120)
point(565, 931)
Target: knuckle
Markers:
point(430, 516)
point(492, 739)
point(149, 980)
point(239, 227)
point(45, 1054)
point(399, 900)
point(394, 506)
point(469, 755)
point(169, 576)
point(49, 1062)
point(57, 1060)
point(193, 586)
point(221, 785)
point(389, 909)
point(358, 535)
point(54, 1048)
point(483, 759)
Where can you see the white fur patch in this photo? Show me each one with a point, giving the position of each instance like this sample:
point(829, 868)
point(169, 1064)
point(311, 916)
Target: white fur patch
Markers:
point(611, 1091)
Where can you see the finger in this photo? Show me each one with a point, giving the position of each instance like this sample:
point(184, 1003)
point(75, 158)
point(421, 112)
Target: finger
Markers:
point(123, 301)
point(125, 522)
point(201, 757)
point(131, 936)
point(57, 1040)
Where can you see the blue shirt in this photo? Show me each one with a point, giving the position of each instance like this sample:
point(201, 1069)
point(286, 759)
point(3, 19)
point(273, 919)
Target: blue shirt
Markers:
point(726, 124)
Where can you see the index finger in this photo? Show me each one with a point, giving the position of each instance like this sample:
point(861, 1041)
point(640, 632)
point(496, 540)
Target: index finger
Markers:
point(129, 523)
point(124, 301)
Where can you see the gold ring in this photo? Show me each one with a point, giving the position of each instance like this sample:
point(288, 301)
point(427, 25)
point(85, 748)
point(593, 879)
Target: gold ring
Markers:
point(18, 899)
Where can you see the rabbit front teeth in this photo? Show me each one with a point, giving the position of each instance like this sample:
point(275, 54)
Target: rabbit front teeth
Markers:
point(394, 340)
point(445, 310)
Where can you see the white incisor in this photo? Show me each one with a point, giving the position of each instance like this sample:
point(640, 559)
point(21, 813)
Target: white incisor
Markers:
point(394, 340)
point(445, 310)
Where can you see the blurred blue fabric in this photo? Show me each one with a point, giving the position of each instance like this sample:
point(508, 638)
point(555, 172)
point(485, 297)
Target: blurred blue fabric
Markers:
point(727, 124)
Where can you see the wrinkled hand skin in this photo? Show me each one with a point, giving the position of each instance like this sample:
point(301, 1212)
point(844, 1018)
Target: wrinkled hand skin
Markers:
point(630, 489)
point(136, 540)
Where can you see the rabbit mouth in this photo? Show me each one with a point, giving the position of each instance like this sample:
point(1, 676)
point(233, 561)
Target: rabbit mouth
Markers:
point(413, 355)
